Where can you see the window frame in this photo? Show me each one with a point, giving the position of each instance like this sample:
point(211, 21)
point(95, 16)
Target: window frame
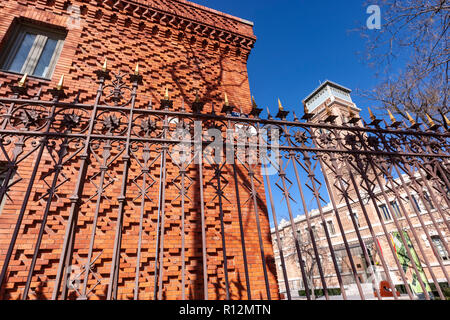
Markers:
point(385, 210)
point(415, 203)
point(439, 245)
point(328, 223)
point(19, 29)
point(428, 199)
point(394, 204)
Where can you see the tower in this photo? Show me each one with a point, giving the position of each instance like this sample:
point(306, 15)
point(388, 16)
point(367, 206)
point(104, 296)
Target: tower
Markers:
point(331, 103)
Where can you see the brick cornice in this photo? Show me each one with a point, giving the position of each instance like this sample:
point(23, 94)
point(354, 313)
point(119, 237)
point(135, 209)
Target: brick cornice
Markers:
point(187, 16)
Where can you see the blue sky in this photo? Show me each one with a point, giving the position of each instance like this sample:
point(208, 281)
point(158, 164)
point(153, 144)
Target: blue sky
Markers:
point(301, 43)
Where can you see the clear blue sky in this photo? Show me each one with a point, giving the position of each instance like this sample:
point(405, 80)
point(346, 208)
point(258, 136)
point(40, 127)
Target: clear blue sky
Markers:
point(300, 43)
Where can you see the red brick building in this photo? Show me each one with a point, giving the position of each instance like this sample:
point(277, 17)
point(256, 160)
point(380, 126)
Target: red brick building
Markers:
point(180, 46)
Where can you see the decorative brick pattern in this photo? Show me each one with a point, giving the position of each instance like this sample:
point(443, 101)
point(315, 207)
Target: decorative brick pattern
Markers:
point(209, 56)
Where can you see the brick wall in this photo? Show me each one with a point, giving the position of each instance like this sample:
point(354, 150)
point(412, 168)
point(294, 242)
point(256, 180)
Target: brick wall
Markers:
point(178, 45)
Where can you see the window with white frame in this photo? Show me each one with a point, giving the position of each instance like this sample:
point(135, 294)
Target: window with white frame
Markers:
point(437, 241)
point(330, 226)
point(385, 211)
point(396, 208)
point(356, 216)
point(32, 49)
point(299, 236)
point(414, 203)
point(314, 233)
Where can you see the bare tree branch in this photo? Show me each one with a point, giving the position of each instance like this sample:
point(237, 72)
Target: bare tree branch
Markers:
point(415, 34)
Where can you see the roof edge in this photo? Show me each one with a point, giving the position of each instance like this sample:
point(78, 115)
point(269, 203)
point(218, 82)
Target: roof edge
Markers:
point(323, 85)
point(214, 11)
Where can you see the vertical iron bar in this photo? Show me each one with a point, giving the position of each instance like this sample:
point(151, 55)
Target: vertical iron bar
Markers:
point(338, 174)
point(405, 244)
point(76, 197)
point(87, 267)
point(377, 210)
point(319, 205)
point(183, 233)
point(282, 175)
point(372, 232)
point(341, 229)
point(418, 241)
point(222, 227)
point(163, 209)
point(241, 229)
point(426, 204)
point(51, 193)
point(241, 225)
point(422, 223)
point(199, 154)
point(251, 174)
point(114, 274)
point(141, 225)
point(277, 232)
point(158, 223)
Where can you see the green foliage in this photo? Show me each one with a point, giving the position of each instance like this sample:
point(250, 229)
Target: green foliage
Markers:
point(320, 292)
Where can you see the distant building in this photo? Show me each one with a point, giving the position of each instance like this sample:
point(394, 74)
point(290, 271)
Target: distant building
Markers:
point(335, 100)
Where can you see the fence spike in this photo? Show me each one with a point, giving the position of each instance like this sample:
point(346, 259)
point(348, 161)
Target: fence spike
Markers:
point(413, 122)
point(254, 105)
point(280, 106)
point(430, 121)
point(166, 94)
point(23, 80)
point(446, 120)
point(372, 116)
point(60, 84)
point(391, 116)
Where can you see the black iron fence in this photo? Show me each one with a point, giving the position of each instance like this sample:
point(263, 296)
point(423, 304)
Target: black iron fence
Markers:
point(318, 166)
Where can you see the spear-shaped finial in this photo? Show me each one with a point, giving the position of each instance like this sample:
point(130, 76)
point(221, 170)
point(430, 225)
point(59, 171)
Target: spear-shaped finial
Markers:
point(430, 120)
point(391, 116)
point(411, 120)
point(166, 94)
point(372, 116)
point(226, 102)
point(446, 120)
point(60, 84)
point(254, 105)
point(23, 80)
point(268, 114)
point(136, 71)
point(280, 106)
point(105, 65)
point(295, 116)
point(197, 99)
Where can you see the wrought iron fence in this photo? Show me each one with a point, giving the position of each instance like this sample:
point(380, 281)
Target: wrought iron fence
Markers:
point(321, 169)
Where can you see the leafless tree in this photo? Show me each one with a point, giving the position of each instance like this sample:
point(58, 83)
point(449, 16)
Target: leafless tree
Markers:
point(414, 35)
point(309, 257)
